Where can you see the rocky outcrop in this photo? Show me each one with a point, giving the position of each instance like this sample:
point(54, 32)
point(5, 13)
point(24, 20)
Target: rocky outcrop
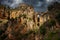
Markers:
point(21, 21)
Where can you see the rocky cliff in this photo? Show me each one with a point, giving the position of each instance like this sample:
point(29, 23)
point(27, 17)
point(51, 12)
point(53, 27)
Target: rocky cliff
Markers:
point(20, 21)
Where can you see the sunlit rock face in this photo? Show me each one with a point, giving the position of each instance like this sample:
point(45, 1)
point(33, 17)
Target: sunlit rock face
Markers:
point(22, 9)
point(22, 19)
point(24, 13)
point(43, 18)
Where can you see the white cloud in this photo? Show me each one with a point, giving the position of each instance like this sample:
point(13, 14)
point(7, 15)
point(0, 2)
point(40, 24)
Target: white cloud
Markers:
point(13, 4)
point(50, 1)
point(16, 2)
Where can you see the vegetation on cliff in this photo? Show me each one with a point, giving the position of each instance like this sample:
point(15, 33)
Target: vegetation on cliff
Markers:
point(22, 23)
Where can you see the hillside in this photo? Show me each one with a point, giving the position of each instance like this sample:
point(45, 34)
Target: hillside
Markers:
point(23, 23)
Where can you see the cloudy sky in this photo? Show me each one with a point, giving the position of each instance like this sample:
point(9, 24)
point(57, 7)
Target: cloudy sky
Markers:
point(39, 5)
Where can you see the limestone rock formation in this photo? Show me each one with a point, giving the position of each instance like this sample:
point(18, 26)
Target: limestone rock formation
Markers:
point(21, 21)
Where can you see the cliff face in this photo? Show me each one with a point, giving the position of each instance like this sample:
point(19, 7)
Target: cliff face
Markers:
point(21, 21)
point(24, 13)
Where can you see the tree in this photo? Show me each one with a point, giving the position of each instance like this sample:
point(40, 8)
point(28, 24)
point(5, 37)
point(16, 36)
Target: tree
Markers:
point(42, 30)
point(50, 23)
point(54, 12)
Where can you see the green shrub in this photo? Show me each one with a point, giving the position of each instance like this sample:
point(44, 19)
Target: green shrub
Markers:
point(0, 21)
point(51, 35)
point(42, 30)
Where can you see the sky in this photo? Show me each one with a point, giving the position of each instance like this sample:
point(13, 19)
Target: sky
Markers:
point(39, 5)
